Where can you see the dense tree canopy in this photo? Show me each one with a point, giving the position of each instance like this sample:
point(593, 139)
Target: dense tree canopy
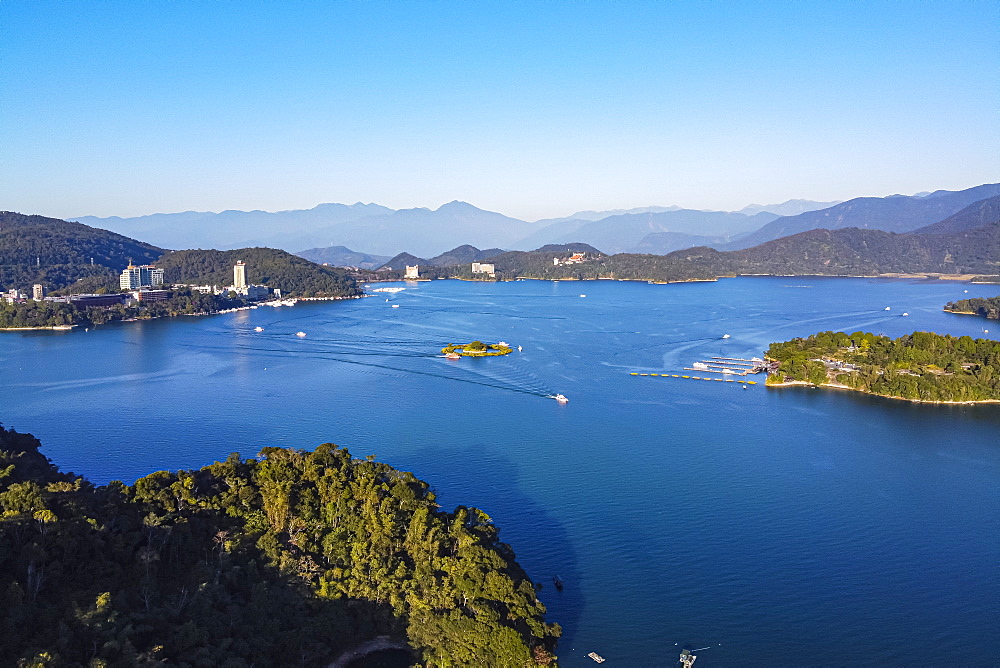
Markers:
point(988, 307)
point(921, 366)
point(289, 558)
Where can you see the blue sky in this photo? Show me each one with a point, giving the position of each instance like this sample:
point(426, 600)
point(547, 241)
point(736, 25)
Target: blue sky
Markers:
point(534, 109)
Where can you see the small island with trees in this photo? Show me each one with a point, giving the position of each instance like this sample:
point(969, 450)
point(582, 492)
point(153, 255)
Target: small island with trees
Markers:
point(988, 307)
point(921, 367)
point(477, 349)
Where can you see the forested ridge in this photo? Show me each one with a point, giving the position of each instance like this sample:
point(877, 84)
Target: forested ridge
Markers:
point(31, 313)
point(988, 307)
point(265, 266)
point(56, 253)
point(287, 559)
point(922, 366)
point(74, 257)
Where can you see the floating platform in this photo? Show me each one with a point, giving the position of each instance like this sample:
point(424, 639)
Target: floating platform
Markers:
point(675, 375)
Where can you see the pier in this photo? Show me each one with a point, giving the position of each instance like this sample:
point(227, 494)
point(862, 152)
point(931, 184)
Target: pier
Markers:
point(676, 375)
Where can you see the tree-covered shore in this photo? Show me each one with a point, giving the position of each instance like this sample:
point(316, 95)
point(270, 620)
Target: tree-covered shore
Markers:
point(922, 366)
point(290, 558)
point(46, 314)
point(988, 307)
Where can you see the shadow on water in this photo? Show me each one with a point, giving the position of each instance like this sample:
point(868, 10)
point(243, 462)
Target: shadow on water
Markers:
point(488, 480)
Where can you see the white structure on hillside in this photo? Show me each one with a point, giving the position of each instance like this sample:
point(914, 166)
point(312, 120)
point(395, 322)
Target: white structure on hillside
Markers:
point(240, 275)
point(38, 292)
point(483, 268)
point(575, 258)
point(144, 276)
point(413, 272)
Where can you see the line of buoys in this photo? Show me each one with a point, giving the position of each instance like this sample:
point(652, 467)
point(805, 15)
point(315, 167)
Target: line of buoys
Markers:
point(674, 375)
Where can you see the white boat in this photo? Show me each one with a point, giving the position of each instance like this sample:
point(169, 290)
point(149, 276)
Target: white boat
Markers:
point(301, 335)
point(725, 336)
point(730, 371)
point(519, 349)
point(701, 366)
point(887, 308)
point(258, 329)
point(395, 305)
point(503, 343)
point(583, 295)
point(905, 314)
point(596, 657)
point(561, 399)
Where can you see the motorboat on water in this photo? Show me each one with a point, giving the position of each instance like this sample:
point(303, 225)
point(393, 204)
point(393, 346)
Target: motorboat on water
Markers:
point(301, 335)
point(725, 336)
point(258, 329)
point(560, 398)
point(452, 356)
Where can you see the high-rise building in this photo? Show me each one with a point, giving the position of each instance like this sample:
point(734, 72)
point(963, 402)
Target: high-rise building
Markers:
point(240, 275)
point(144, 276)
point(37, 292)
point(413, 272)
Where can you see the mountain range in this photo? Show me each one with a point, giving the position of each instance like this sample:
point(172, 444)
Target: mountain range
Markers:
point(377, 230)
point(898, 213)
point(940, 231)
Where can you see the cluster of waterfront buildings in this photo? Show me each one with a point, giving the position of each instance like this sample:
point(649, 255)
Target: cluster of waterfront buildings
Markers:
point(143, 284)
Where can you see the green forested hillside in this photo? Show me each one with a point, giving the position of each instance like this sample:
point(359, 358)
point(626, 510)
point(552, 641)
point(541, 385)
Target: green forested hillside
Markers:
point(922, 366)
point(265, 266)
point(843, 252)
point(988, 307)
point(56, 253)
point(287, 559)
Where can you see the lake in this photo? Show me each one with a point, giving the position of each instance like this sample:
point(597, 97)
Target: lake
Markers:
point(787, 526)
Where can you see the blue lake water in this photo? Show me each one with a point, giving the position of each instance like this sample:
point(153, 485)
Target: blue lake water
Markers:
point(782, 527)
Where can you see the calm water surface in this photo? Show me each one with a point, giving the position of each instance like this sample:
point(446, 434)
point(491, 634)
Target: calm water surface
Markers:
point(780, 527)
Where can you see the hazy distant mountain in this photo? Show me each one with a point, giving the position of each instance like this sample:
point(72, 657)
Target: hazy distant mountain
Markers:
point(342, 256)
point(898, 213)
point(598, 215)
point(234, 229)
point(425, 232)
point(661, 243)
point(977, 214)
point(616, 234)
point(792, 207)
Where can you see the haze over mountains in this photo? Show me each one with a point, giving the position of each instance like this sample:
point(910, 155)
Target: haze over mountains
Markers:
point(378, 230)
point(941, 232)
point(366, 235)
point(897, 213)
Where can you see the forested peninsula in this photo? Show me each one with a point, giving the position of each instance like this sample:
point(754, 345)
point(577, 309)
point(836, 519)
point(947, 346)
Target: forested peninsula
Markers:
point(922, 366)
point(988, 307)
point(290, 558)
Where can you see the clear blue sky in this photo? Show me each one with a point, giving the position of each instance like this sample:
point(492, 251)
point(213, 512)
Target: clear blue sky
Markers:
point(534, 109)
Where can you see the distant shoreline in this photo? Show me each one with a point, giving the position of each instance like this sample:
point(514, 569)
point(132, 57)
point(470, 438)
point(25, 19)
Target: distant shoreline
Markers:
point(792, 383)
point(179, 315)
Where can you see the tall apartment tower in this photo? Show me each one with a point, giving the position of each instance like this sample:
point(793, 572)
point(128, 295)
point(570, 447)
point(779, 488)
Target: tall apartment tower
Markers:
point(140, 277)
point(240, 275)
point(37, 292)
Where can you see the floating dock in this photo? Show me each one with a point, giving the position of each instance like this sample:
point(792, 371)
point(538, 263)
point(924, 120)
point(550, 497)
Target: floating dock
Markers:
point(675, 375)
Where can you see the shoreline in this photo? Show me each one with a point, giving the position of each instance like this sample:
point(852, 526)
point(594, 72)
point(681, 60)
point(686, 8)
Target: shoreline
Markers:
point(803, 383)
point(249, 307)
point(57, 328)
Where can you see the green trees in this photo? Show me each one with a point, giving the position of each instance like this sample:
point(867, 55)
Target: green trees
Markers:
point(921, 366)
point(988, 308)
point(294, 556)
